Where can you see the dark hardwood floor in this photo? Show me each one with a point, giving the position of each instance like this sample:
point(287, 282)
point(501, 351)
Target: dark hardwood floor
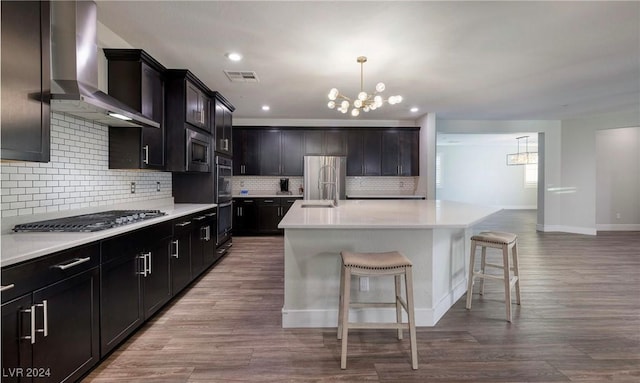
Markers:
point(579, 321)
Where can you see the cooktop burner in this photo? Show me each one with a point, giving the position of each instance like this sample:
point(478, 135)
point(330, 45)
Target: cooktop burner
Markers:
point(91, 222)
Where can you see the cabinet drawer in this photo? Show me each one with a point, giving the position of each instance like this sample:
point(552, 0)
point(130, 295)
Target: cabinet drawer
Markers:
point(115, 247)
point(268, 201)
point(39, 272)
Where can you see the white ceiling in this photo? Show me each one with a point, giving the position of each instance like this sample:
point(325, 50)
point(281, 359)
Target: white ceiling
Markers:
point(462, 60)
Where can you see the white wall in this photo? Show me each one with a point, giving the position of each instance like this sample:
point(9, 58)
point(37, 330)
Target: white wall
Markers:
point(478, 174)
point(618, 179)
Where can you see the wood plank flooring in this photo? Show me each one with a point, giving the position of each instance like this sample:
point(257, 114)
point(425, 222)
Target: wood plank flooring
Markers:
point(579, 321)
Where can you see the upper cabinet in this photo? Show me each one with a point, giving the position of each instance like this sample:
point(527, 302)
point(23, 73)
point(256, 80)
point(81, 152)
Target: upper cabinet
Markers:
point(246, 152)
point(223, 123)
point(25, 41)
point(400, 153)
point(137, 80)
point(187, 101)
point(325, 142)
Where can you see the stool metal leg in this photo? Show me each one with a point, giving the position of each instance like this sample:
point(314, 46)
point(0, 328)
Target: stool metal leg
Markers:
point(398, 305)
point(345, 316)
point(341, 299)
point(516, 272)
point(408, 280)
point(472, 258)
point(507, 280)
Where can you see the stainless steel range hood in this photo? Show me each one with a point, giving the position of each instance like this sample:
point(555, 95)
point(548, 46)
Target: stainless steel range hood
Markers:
point(74, 69)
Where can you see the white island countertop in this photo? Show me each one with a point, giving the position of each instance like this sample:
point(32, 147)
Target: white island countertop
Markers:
point(385, 214)
point(20, 247)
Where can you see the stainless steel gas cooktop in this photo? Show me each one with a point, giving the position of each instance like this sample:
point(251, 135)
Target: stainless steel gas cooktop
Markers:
point(90, 222)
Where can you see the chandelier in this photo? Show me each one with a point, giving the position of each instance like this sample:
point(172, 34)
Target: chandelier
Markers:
point(364, 101)
point(522, 158)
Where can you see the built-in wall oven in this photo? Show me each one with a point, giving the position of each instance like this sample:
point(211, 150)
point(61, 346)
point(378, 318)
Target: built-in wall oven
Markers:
point(224, 172)
point(198, 151)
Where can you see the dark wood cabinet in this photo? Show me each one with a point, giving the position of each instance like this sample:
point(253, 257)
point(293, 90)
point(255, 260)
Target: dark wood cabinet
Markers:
point(223, 123)
point(325, 142)
point(400, 152)
point(270, 149)
point(246, 152)
point(189, 143)
point(25, 115)
point(371, 152)
point(137, 80)
point(53, 325)
point(260, 216)
point(245, 216)
point(134, 281)
point(268, 215)
point(292, 152)
point(355, 153)
point(181, 255)
point(203, 242)
point(197, 107)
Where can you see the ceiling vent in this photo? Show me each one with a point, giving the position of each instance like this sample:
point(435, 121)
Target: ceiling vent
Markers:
point(241, 76)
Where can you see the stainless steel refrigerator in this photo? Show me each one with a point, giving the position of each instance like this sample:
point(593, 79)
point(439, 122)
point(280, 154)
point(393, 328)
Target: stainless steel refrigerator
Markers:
point(324, 176)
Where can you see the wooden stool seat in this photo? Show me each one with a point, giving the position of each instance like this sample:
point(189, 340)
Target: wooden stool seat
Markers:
point(497, 240)
point(375, 264)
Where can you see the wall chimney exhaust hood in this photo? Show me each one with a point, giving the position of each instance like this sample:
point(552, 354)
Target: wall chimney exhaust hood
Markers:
point(74, 69)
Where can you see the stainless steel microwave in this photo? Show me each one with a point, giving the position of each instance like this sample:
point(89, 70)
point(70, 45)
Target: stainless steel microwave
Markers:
point(198, 151)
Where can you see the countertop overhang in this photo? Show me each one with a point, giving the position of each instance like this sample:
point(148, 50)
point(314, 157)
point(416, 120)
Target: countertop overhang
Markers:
point(386, 214)
point(21, 247)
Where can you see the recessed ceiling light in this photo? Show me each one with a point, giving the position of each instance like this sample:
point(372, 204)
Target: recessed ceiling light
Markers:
point(234, 56)
point(265, 107)
point(414, 109)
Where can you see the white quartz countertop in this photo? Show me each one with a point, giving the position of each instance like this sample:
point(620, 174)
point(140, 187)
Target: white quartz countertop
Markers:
point(372, 194)
point(23, 246)
point(385, 214)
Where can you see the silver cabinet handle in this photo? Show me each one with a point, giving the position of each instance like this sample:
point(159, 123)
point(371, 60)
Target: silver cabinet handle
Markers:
point(143, 257)
point(207, 233)
point(176, 254)
point(74, 263)
point(146, 154)
point(200, 218)
point(32, 333)
point(268, 201)
point(248, 201)
point(211, 214)
point(183, 224)
point(45, 318)
point(148, 255)
point(7, 287)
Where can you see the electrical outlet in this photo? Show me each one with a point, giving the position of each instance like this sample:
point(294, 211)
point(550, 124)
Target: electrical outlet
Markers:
point(158, 186)
point(241, 184)
point(401, 184)
point(133, 187)
point(364, 283)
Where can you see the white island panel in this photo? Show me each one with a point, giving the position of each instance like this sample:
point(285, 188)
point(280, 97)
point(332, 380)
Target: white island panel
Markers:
point(433, 234)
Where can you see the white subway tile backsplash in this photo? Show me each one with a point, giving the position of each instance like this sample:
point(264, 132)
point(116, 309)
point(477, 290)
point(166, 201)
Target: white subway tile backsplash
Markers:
point(77, 175)
point(354, 184)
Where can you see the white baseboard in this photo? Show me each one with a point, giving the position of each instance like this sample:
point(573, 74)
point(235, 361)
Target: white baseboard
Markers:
point(618, 227)
point(566, 229)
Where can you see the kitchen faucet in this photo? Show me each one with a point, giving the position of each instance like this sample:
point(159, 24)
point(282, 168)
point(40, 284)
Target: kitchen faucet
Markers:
point(333, 183)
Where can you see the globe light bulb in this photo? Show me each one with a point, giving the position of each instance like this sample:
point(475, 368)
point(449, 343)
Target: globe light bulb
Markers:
point(343, 110)
point(378, 100)
point(345, 104)
point(355, 112)
point(392, 100)
point(398, 99)
point(380, 87)
point(366, 108)
point(357, 103)
point(333, 94)
point(331, 104)
point(362, 96)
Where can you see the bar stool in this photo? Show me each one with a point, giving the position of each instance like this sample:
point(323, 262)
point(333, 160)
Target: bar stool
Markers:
point(376, 264)
point(497, 240)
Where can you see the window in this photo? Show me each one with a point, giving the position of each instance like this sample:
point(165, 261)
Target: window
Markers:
point(531, 176)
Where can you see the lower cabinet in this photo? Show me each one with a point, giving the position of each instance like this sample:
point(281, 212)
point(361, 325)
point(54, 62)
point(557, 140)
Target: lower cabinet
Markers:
point(50, 334)
point(203, 242)
point(135, 281)
point(260, 216)
point(181, 255)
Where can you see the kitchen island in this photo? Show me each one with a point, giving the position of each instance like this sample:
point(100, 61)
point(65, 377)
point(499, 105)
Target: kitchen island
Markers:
point(433, 234)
